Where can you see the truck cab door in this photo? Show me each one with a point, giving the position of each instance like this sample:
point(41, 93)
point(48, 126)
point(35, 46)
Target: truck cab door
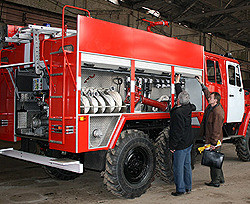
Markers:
point(214, 80)
point(235, 94)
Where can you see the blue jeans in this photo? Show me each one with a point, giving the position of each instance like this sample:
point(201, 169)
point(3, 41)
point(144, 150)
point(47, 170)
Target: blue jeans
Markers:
point(182, 169)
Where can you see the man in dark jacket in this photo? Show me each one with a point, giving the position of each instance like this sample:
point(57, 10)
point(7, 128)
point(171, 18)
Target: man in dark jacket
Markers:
point(211, 130)
point(181, 140)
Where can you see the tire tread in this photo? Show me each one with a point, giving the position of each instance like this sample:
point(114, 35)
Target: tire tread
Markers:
point(111, 175)
point(243, 146)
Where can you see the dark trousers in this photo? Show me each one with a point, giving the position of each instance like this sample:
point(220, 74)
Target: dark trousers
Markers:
point(182, 169)
point(217, 174)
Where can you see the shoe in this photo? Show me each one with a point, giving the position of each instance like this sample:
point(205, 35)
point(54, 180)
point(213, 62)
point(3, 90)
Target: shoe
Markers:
point(177, 193)
point(222, 182)
point(188, 191)
point(213, 184)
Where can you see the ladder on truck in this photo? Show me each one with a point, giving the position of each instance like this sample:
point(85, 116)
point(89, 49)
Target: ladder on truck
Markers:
point(60, 122)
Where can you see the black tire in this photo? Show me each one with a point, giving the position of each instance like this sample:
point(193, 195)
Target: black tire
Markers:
point(194, 154)
point(164, 157)
point(130, 165)
point(243, 146)
point(58, 173)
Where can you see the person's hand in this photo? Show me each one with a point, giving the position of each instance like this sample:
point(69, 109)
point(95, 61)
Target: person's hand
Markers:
point(198, 79)
point(212, 147)
point(172, 151)
point(177, 78)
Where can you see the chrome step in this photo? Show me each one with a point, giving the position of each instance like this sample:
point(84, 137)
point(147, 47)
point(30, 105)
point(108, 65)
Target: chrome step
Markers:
point(65, 164)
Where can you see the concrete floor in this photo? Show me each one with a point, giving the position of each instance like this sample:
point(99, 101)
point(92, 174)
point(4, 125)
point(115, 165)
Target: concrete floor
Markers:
point(23, 182)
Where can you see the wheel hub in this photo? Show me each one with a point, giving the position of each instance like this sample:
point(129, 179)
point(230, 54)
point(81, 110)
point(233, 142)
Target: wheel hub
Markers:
point(135, 165)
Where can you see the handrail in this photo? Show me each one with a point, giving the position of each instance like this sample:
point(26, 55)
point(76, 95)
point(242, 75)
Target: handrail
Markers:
point(42, 54)
point(44, 61)
point(63, 35)
point(63, 26)
point(16, 65)
point(67, 63)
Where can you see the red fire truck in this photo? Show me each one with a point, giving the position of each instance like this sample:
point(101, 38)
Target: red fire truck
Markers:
point(99, 98)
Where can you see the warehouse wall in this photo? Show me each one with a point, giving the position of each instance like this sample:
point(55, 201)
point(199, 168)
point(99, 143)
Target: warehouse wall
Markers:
point(23, 12)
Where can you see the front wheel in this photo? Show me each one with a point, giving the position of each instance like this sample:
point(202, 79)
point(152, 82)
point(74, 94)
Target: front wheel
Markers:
point(243, 146)
point(130, 165)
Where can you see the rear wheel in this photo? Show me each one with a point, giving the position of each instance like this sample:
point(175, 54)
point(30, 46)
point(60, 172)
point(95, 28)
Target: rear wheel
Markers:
point(164, 157)
point(194, 154)
point(243, 146)
point(130, 165)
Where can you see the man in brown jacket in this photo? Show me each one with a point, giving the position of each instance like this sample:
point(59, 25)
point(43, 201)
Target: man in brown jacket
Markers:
point(211, 129)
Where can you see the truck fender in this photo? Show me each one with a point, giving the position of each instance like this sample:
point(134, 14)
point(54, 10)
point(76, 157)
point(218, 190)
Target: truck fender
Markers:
point(124, 118)
point(244, 124)
point(117, 132)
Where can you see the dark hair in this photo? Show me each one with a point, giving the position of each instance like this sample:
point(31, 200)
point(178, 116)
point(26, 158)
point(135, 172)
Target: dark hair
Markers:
point(216, 96)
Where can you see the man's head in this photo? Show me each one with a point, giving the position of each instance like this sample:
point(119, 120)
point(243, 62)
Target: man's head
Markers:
point(214, 98)
point(184, 98)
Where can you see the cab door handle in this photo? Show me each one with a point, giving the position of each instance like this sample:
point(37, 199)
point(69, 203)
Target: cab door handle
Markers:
point(230, 95)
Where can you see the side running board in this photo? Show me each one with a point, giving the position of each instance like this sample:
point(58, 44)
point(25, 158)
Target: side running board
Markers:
point(65, 164)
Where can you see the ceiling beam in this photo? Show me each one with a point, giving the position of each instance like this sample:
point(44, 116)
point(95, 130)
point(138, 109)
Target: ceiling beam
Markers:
point(214, 13)
point(245, 24)
point(218, 19)
point(185, 10)
point(190, 6)
point(240, 32)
